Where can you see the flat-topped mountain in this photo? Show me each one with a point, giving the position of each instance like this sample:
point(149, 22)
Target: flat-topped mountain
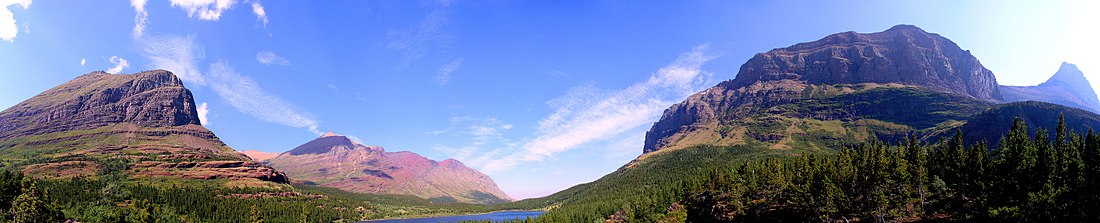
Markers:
point(903, 54)
point(1067, 87)
point(147, 122)
point(337, 161)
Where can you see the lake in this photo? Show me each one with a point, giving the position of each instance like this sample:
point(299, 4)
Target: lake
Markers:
point(495, 216)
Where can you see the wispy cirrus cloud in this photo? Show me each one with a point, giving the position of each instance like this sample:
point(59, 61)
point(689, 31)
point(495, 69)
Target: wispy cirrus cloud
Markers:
point(428, 34)
point(210, 10)
point(119, 63)
point(247, 96)
point(589, 115)
point(179, 54)
point(182, 54)
point(8, 27)
point(141, 18)
point(271, 59)
point(444, 75)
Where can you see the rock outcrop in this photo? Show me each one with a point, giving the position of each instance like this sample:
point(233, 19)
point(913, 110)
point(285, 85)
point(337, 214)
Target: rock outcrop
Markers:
point(903, 54)
point(336, 161)
point(145, 124)
point(1067, 87)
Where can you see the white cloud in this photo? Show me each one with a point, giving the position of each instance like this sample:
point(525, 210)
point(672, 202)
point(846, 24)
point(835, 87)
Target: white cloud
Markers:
point(416, 42)
point(8, 27)
point(271, 59)
point(247, 96)
point(488, 130)
point(261, 14)
point(445, 71)
point(203, 110)
point(587, 115)
point(141, 18)
point(82, 62)
point(177, 54)
point(119, 63)
point(210, 10)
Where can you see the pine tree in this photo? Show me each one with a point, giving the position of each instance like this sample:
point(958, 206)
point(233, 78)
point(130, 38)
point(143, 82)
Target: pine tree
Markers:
point(32, 207)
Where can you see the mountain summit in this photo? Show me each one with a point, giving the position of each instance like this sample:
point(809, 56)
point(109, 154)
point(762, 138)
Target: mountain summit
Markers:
point(147, 122)
point(1067, 87)
point(903, 54)
point(336, 161)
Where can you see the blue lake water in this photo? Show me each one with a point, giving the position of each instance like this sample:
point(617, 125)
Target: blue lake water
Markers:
point(495, 216)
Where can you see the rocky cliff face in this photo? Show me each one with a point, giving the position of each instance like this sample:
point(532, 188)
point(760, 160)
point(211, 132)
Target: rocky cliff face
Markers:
point(1067, 87)
point(146, 121)
point(835, 90)
point(336, 161)
point(903, 54)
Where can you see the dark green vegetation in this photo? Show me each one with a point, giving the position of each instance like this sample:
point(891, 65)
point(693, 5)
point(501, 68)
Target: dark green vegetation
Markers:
point(115, 198)
point(1027, 179)
point(1024, 179)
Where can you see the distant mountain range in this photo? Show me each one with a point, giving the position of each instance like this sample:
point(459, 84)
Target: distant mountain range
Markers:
point(1067, 87)
point(142, 124)
point(336, 161)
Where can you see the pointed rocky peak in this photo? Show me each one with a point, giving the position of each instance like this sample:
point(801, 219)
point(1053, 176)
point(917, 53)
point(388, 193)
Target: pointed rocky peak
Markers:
point(324, 144)
point(329, 134)
point(1068, 74)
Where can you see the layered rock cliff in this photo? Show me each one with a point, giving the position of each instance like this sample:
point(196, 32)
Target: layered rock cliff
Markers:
point(844, 88)
point(143, 124)
point(336, 161)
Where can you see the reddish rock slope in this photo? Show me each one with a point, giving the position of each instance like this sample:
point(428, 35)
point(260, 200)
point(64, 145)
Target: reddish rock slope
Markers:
point(336, 161)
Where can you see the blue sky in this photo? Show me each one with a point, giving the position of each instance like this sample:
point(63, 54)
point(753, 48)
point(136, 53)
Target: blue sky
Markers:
point(540, 95)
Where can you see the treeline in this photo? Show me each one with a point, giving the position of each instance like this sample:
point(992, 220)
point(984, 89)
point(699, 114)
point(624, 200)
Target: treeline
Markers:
point(1023, 179)
point(116, 198)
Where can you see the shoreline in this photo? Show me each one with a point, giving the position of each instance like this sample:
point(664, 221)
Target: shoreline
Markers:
point(438, 216)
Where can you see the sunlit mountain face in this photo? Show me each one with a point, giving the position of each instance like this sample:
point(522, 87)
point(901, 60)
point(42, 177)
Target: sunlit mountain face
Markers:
point(224, 111)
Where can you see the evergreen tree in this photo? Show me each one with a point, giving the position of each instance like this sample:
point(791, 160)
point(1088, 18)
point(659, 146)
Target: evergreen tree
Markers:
point(30, 206)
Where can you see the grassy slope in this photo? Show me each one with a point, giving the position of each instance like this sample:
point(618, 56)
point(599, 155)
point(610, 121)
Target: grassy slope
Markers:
point(648, 188)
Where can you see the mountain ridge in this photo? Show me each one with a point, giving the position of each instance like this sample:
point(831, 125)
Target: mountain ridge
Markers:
point(336, 161)
point(1068, 86)
point(147, 122)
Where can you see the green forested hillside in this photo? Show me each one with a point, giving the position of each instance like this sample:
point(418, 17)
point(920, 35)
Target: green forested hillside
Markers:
point(1025, 179)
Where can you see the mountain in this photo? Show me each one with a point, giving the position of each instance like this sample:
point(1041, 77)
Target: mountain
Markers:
point(817, 97)
point(259, 156)
point(843, 88)
point(989, 125)
point(336, 161)
point(1067, 87)
point(143, 124)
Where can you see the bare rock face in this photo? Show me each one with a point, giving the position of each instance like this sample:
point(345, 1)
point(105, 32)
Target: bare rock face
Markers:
point(825, 91)
point(146, 121)
point(336, 161)
point(903, 54)
point(1067, 87)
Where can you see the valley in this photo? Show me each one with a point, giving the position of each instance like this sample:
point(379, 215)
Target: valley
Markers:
point(542, 117)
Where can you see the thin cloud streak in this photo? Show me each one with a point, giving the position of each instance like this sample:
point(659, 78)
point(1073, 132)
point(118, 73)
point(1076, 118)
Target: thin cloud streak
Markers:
point(178, 54)
point(271, 59)
point(416, 42)
point(586, 115)
point(141, 18)
point(444, 75)
point(181, 55)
